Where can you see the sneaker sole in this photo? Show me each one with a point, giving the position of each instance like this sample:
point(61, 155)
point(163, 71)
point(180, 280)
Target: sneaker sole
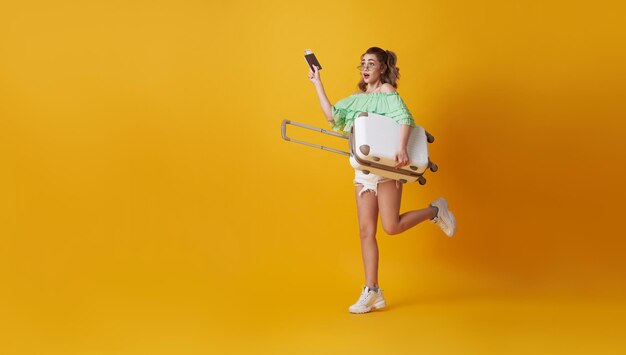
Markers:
point(375, 306)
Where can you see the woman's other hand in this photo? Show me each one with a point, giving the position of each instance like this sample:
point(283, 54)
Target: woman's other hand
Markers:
point(314, 75)
point(402, 158)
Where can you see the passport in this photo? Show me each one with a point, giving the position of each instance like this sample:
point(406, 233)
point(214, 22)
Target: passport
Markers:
point(311, 60)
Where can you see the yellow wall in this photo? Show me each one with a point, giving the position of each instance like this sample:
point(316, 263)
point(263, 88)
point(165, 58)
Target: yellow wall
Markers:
point(143, 169)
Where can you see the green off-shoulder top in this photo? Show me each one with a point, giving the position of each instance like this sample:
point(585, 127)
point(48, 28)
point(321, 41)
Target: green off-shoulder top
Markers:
point(389, 104)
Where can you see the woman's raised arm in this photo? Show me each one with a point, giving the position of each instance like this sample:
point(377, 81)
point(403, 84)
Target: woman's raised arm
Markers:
point(327, 108)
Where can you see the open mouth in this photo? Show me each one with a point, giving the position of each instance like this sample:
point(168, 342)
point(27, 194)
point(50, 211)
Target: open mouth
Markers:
point(366, 76)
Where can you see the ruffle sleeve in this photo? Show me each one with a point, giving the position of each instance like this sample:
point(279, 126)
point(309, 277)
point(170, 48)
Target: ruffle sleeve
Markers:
point(388, 104)
point(397, 110)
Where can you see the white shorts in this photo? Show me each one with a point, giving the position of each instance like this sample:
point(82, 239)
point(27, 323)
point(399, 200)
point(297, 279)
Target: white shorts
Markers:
point(369, 181)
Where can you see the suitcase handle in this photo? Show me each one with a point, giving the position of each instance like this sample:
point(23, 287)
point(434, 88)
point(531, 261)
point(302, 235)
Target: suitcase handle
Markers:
point(283, 131)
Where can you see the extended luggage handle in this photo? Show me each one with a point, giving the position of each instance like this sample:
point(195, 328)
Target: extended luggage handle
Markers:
point(364, 149)
point(283, 131)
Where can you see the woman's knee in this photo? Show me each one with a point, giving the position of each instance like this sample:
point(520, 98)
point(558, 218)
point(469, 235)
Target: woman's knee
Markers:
point(391, 227)
point(367, 232)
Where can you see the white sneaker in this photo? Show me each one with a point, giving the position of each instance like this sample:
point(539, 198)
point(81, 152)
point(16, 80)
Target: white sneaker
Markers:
point(444, 219)
point(369, 300)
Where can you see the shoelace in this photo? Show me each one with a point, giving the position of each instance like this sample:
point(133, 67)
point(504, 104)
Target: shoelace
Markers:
point(363, 298)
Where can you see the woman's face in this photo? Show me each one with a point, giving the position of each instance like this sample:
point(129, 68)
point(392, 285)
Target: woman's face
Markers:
point(371, 68)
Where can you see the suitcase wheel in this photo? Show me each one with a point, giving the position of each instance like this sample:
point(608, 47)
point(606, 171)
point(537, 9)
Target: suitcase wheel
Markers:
point(421, 180)
point(429, 137)
point(433, 167)
point(365, 149)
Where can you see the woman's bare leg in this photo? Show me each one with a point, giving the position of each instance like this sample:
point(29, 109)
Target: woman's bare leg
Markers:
point(389, 196)
point(367, 209)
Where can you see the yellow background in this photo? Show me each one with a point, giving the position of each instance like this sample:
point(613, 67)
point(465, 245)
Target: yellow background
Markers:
point(149, 206)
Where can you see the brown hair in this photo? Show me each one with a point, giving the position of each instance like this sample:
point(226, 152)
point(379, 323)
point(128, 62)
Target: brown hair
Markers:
point(389, 60)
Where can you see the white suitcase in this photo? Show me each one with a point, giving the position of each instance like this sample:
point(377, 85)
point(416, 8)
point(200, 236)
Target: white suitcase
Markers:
point(373, 142)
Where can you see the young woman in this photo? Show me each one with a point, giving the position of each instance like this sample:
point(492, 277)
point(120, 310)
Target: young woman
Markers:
point(375, 194)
